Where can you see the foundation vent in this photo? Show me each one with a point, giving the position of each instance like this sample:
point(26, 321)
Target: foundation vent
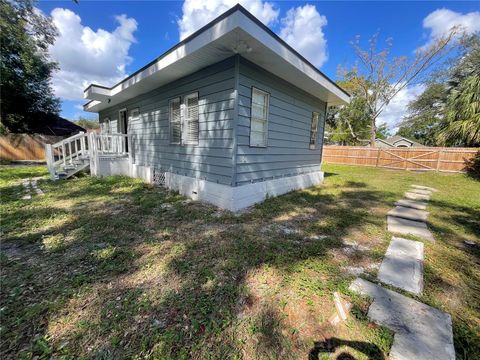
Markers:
point(158, 177)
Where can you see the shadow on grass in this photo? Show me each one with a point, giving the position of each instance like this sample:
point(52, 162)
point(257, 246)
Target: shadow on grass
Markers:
point(161, 281)
point(333, 344)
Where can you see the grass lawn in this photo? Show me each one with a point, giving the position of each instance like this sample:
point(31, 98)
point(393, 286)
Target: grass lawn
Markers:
point(114, 268)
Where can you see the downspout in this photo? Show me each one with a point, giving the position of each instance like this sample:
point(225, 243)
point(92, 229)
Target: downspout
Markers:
point(235, 118)
point(323, 134)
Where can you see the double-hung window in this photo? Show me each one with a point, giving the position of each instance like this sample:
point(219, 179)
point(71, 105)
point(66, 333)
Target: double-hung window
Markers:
point(259, 118)
point(184, 119)
point(314, 130)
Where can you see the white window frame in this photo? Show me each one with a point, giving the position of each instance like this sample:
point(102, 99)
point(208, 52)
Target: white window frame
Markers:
point(185, 139)
point(120, 124)
point(265, 120)
point(314, 130)
point(170, 117)
point(134, 114)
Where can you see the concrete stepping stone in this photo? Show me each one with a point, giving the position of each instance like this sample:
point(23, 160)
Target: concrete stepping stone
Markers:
point(402, 266)
point(409, 227)
point(421, 187)
point(421, 192)
point(415, 196)
point(408, 213)
point(412, 204)
point(421, 331)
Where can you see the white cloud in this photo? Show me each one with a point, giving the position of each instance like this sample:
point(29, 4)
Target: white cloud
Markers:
point(393, 113)
point(302, 29)
point(198, 13)
point(86, 56)
point(442, 20)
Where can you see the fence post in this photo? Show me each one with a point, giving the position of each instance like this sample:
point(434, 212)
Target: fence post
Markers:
point(50, 160)
point(378, 157)
point(438, 159)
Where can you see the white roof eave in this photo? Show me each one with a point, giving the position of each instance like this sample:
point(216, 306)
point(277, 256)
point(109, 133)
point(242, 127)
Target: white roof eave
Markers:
point(218, 37)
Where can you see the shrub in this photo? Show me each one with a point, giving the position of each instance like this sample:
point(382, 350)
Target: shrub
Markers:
point(472, 166)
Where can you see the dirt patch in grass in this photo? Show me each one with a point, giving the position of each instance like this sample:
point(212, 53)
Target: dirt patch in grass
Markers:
point(114, 268)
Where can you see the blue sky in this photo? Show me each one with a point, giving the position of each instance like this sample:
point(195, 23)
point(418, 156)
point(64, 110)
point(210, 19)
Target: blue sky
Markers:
point(103, 41)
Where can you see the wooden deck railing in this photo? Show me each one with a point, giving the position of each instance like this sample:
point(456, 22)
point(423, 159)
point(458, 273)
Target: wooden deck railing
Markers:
point(418, 159)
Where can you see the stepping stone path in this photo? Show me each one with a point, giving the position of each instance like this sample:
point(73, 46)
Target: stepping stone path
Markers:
point(415, 196)
point(408, 213)
point(421, 331)
point(409, 216)
point(409, 227)
point(28, 186)
point(412, 204)
point(402, 266)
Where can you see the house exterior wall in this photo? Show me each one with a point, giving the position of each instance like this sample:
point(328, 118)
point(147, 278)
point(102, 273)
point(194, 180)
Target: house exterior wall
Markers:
point(289, 120)
point(211, 159)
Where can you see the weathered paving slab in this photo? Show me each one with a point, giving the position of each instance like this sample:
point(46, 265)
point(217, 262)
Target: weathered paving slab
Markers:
point(421, 192)
point(421, 331)
point(409, 227)
point(409, 213)
point(415, 196)
point(402, 266)
point(420, 205)
point(421, 187)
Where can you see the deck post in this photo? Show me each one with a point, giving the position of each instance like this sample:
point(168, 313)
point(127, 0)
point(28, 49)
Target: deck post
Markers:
point(50, 160)
point(130, 154)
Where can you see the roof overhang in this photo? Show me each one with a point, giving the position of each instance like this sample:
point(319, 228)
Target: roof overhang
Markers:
point(236, 31)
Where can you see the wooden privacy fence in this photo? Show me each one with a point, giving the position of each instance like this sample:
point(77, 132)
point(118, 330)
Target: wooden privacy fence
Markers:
point(417, 159)
point(14, 147)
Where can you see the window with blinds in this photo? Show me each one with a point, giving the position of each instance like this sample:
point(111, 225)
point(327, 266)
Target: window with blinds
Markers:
point(259, 118)
point(191, 119)
point(175, 121)
point(314, 130)
point(184, 120)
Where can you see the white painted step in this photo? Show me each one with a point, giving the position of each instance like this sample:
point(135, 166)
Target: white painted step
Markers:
point(421, 331)
point(409, 213)
point(420, 205)
point(402, 265)
point(421, 187)
point(415, 196)
point(409, 227)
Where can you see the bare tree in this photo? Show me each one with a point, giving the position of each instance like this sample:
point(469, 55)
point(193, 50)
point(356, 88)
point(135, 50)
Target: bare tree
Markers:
point(378, 78)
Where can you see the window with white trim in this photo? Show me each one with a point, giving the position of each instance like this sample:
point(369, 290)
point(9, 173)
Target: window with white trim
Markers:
point(184, 120)
point(314, 130)
point(134, 114)
point(190, 131)
point(259, 118)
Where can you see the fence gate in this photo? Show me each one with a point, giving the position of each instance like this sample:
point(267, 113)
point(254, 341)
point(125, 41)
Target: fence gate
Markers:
point(408, 159)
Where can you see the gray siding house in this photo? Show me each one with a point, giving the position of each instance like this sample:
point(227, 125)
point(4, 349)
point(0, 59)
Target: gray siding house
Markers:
point(230, 115)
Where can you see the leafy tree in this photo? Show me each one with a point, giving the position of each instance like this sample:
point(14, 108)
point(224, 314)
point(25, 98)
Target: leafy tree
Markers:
point(382, 132)
point(25, 69)
point(88, 123)
point(378, 78)
point(349, 124)
point(424, 115)
point(461, 125)
point(448, 111)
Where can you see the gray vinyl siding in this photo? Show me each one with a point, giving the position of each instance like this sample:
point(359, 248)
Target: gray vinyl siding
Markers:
point(289, 120)
point(211, 159)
